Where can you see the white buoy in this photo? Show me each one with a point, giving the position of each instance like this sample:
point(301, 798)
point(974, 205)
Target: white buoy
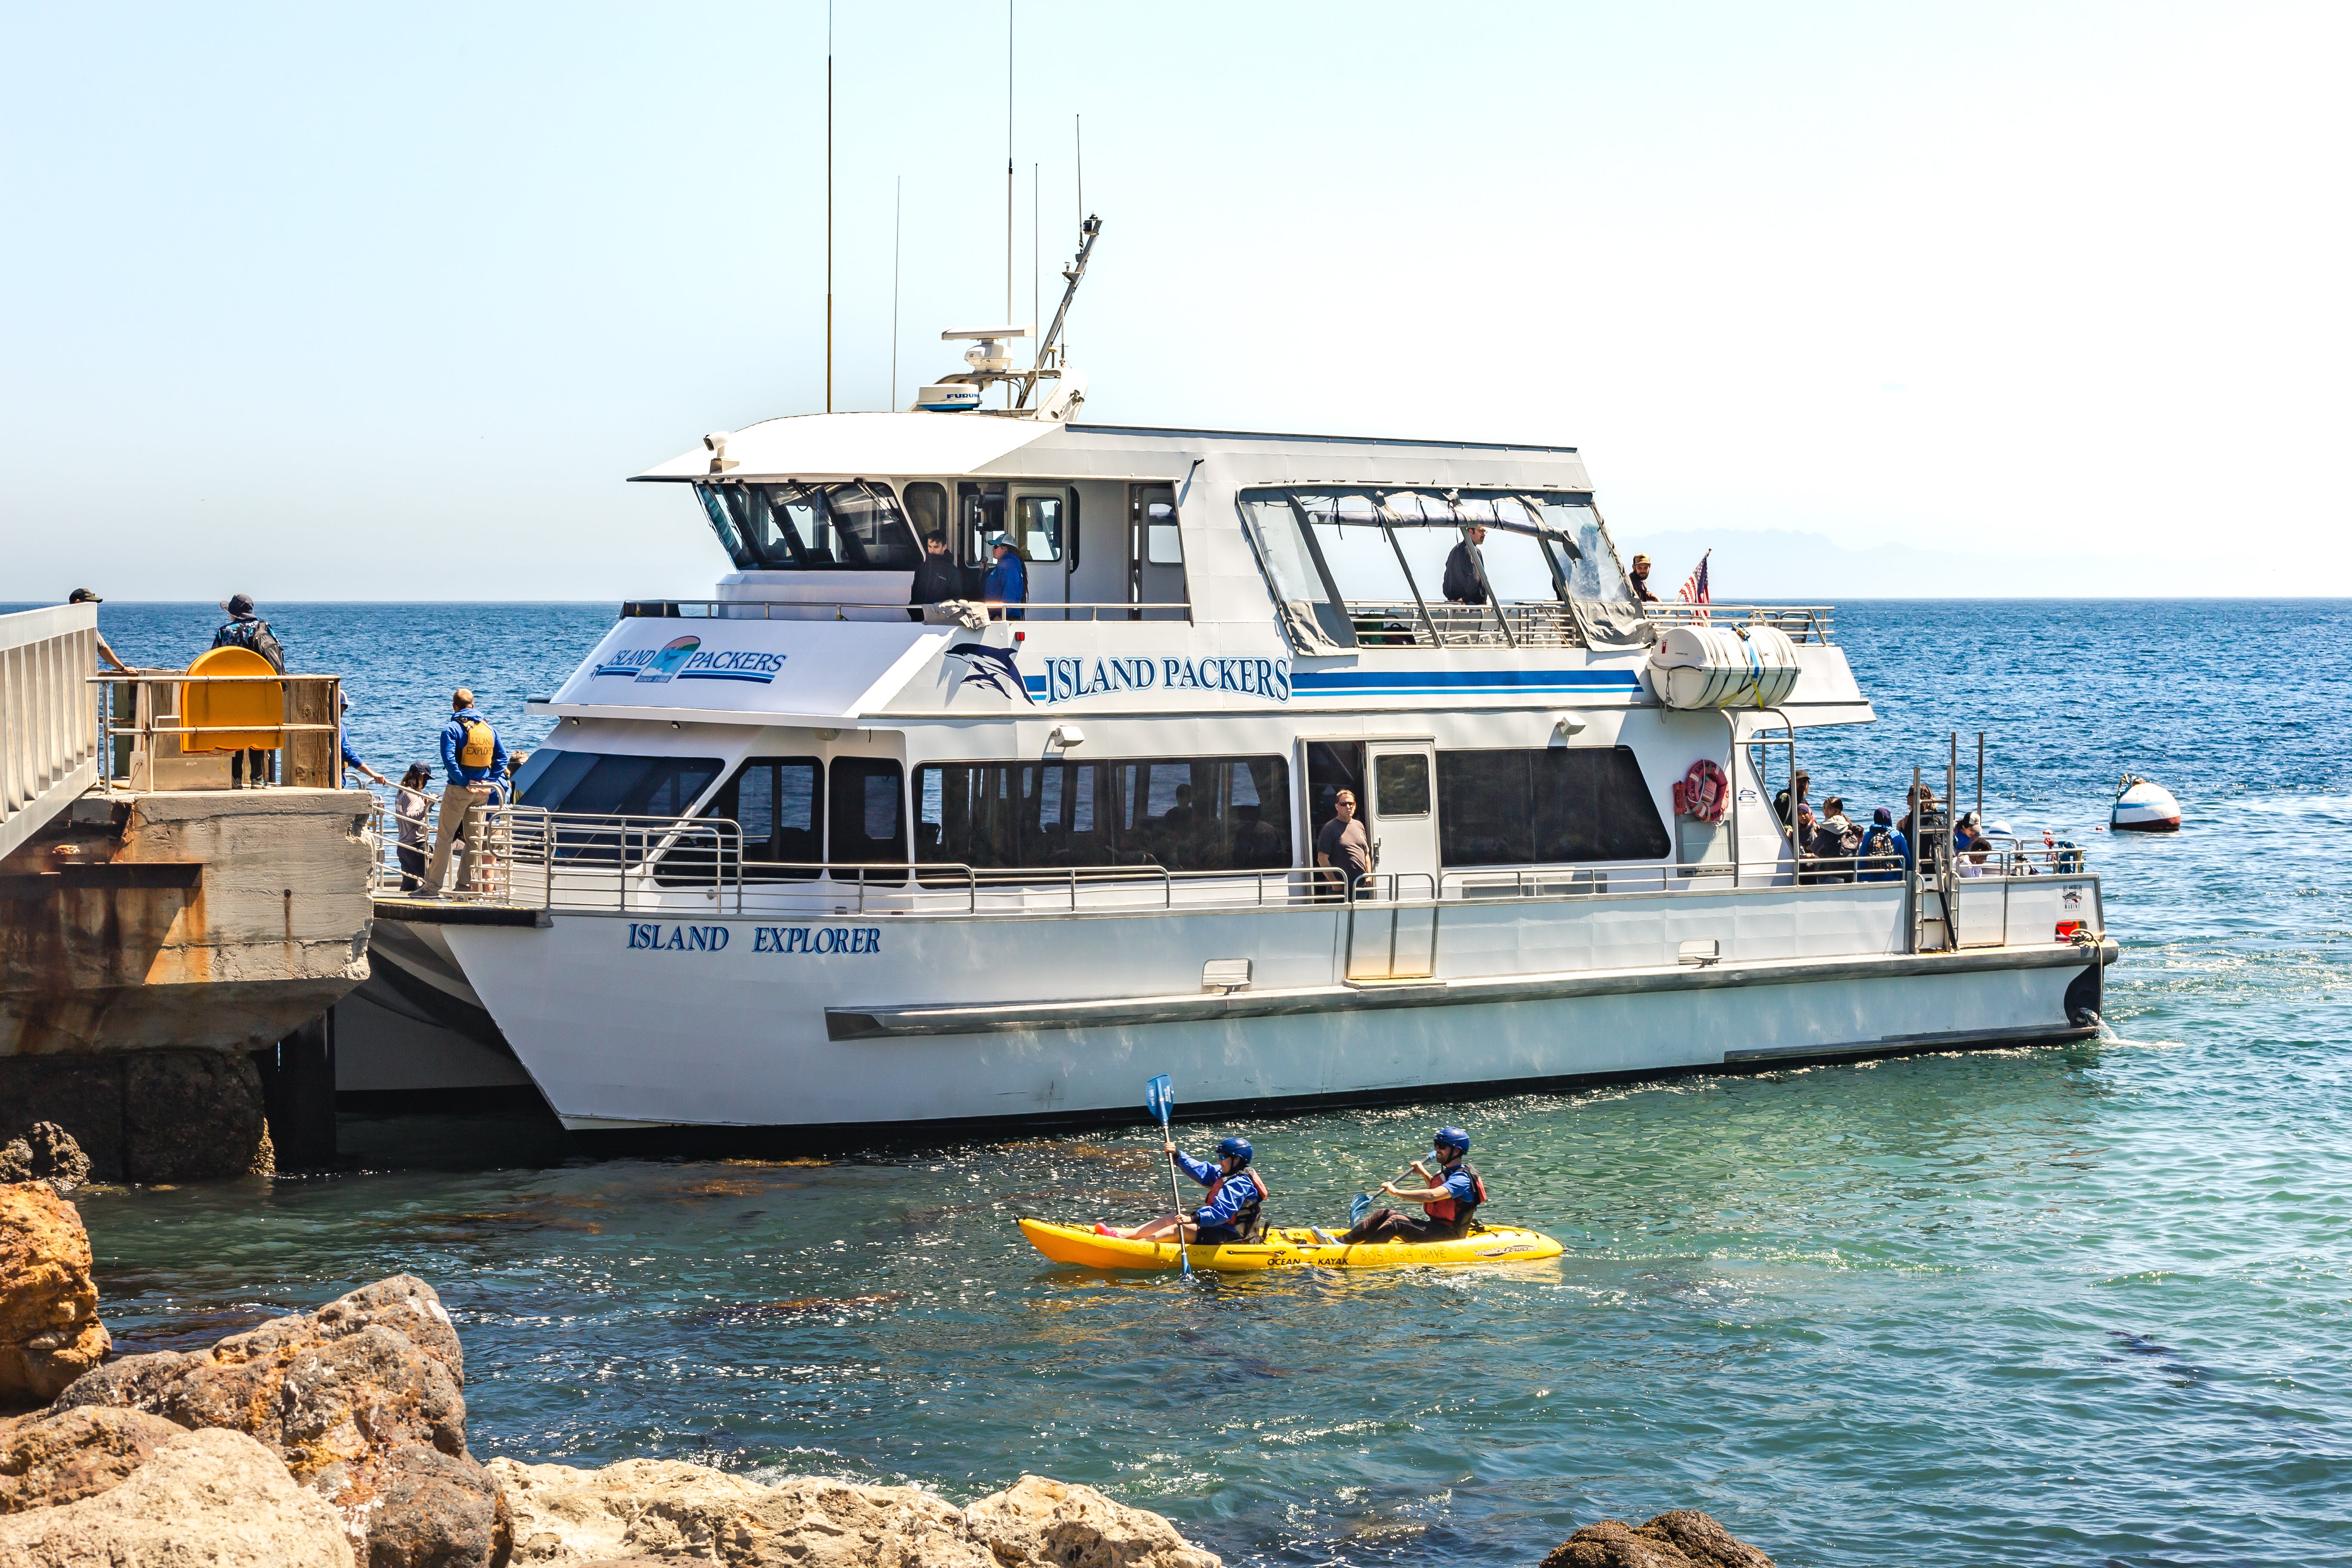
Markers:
point(2142, 806)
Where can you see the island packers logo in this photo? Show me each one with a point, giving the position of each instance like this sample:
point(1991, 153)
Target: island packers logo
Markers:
point(685, 659)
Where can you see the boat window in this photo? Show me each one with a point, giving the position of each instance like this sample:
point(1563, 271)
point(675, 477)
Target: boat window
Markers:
point(982, 514)
point(1316, 621)
point(927, 509)
point(1164, 542)
point(1401, 785)
point(796, 527)
point(1363, 564)
point(1183, 814)
point(865, 814)
point(1545, 807)
point(779, 803)
point(597, 784)
point(1038, 523)
point(1596, 575)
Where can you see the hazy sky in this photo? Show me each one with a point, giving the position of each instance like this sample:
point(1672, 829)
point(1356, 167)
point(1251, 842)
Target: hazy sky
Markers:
point(326, 302)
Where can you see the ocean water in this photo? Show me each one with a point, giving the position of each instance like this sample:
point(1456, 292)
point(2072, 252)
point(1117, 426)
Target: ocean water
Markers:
point(2073, 1305)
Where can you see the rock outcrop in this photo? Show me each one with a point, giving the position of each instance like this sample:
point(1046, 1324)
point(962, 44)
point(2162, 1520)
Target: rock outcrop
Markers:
point(46, 1152)
point(203, 1499)
point(146, 1116)
point(64, 1455)
point(664, 1511)
point(1683, 1538)
point(361, 1401)
point(50, 1332)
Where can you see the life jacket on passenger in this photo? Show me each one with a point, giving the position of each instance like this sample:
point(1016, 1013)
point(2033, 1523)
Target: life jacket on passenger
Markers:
point(481, 743)
point(1245, 1219)
point(1452, 1210)
point(256, 634)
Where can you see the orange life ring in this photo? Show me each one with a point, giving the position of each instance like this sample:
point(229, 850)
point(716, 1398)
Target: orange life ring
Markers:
point(1705, 793)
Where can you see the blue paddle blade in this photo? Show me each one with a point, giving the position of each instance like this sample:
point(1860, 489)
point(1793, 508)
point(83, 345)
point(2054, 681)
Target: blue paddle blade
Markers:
point(1159, 1097)
point(1359, 1208)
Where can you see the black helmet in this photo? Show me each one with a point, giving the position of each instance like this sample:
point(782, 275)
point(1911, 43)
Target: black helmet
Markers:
point(1236, 1149)
point(1452, 1138)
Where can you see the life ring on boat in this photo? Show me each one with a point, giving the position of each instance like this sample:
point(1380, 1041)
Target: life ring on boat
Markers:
point(1704, 792)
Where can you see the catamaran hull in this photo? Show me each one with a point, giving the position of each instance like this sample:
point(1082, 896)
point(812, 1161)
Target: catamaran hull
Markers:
point(629, 1023)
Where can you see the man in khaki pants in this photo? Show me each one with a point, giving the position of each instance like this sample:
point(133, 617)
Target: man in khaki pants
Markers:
point(472, 758)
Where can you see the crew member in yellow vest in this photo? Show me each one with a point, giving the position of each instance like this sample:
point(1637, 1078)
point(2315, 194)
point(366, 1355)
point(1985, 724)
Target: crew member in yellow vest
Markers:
point(472, 759)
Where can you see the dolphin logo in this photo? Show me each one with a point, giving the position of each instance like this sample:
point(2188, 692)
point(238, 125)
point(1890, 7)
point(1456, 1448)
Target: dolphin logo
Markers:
point(993, 668)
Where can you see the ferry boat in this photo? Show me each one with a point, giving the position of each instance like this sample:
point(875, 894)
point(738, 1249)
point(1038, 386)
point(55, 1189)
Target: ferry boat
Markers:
point(813, 858)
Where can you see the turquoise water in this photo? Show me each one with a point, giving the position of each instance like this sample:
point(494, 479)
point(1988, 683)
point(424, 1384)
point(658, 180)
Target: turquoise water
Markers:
point(2078, 1305)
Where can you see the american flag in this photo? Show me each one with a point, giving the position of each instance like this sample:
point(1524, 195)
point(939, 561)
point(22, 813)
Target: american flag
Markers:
point(1695, 586)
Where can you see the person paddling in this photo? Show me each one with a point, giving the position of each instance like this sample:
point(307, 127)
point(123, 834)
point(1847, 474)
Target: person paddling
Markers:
point(1231, 1210)
point(1454, 1192)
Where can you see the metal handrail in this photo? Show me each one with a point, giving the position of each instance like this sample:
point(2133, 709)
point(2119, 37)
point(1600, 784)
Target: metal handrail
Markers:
point(709, 609)
point(1804, 623)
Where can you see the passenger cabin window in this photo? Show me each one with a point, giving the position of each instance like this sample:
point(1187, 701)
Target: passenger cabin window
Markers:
point(866, 813)
point(1040, 522)
point(609, 790)
point(857, 526)
point(1400, 787)
point(1181, 813)
point(1545, 807)
point(779, 803)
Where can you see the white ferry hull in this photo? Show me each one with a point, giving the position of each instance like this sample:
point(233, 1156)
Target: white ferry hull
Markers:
point(735, 1034)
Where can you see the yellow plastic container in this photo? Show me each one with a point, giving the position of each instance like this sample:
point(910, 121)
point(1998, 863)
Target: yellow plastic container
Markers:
point(204, 705)
point(1293, 1248)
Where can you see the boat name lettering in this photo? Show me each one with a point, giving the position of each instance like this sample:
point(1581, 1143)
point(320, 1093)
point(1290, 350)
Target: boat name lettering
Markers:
point(1070, 678)
point(654, 936)
point(816, 939)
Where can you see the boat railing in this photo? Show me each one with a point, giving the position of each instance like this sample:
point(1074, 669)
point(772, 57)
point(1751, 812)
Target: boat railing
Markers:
point(1384, 624)
point(1803, 623)
point(877, 610)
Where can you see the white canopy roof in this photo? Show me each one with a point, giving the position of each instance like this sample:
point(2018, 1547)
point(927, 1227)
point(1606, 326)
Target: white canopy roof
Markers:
point(861, 446)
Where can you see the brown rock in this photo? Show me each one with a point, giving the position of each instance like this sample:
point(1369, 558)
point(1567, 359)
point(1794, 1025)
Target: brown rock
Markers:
point(50, 1332)
point(340, 1396)
point(204, 1500)
point(1683, 1538)
point(63, 1455)
point(190, 1115)
point(1037, 1521)
point(46, 1152)
point(662, 1511)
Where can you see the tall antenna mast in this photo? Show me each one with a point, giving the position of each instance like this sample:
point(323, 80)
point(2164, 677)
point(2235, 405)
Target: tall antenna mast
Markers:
point(1079, 133)
point(1036, 263)
point(897, 222)
point(828, 208)
point(1008, 160)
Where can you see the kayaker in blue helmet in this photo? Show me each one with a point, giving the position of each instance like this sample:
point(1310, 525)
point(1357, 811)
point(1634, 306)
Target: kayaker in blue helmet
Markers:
point(1231, 1211)
point(1454, 1192)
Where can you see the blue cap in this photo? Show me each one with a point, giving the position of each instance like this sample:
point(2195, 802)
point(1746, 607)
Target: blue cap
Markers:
point(1236, 1149)
point(1884, 818)
point(1452, 1138)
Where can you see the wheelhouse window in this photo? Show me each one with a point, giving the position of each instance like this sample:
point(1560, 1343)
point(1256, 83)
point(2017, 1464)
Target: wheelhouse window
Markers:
point(1182, 813)
point(866, 813)
point(598, 783)
point(1041, 526)
point(779, 803)
point(853, 526)
point(1545, 808)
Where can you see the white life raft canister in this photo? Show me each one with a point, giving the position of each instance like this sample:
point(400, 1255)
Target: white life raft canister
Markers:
point(1722, 667)
point(2142, 806)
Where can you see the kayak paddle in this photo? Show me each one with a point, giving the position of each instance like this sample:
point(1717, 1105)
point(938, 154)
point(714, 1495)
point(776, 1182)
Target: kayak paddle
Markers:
point(1158, 1098)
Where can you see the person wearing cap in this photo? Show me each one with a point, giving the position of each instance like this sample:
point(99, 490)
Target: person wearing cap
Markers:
point(1007, 582)
point(246, 629)
point(1453, 1193)
point(1639, 579)
point(1883, 850)
point(105, 652)
point(1230, 1212)
point(473, 759)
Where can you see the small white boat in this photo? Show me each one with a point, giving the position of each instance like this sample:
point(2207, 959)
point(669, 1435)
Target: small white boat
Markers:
point(2143, 806)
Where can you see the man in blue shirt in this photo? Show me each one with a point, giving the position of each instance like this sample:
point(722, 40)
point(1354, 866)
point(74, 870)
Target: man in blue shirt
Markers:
point(472, 759)
point(1454, 1192)
point(1231, 1213)
point(1007, 582)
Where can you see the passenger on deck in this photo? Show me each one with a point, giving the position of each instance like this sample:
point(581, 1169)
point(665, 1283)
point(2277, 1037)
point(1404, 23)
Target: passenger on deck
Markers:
point(409, 809)
point(1343, 845)
point(1007, 583)
point(1466, 579)
point(1973, 858)
point(1454, 1192)
point(936, 577)
point(1232, 1211)
point(1922, 827)
point(1801, 783)
point(106, 653)
point(1638, 579)
point(1835, 844)
point(472, 759)
point(246, 629)
point(1883, 849)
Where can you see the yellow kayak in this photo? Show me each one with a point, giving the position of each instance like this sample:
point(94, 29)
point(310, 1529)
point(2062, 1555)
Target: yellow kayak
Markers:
point(1296, 1248)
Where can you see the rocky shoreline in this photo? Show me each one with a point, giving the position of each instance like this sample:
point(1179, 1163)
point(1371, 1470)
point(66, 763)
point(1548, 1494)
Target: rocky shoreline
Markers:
point(338, 1437)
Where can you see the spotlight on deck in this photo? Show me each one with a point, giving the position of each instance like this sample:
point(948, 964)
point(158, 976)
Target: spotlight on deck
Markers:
point(1065, 736)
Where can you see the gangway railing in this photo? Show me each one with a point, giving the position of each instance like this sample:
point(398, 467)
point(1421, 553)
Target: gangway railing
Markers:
point(50, 744)
point(149, 744)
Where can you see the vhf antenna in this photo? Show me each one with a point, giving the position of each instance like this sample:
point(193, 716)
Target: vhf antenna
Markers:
point(828, 208)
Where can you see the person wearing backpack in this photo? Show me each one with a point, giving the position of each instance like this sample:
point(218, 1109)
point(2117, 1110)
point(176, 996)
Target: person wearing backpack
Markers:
point(473, 759)
point(246, 630)
point(1884, 851)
